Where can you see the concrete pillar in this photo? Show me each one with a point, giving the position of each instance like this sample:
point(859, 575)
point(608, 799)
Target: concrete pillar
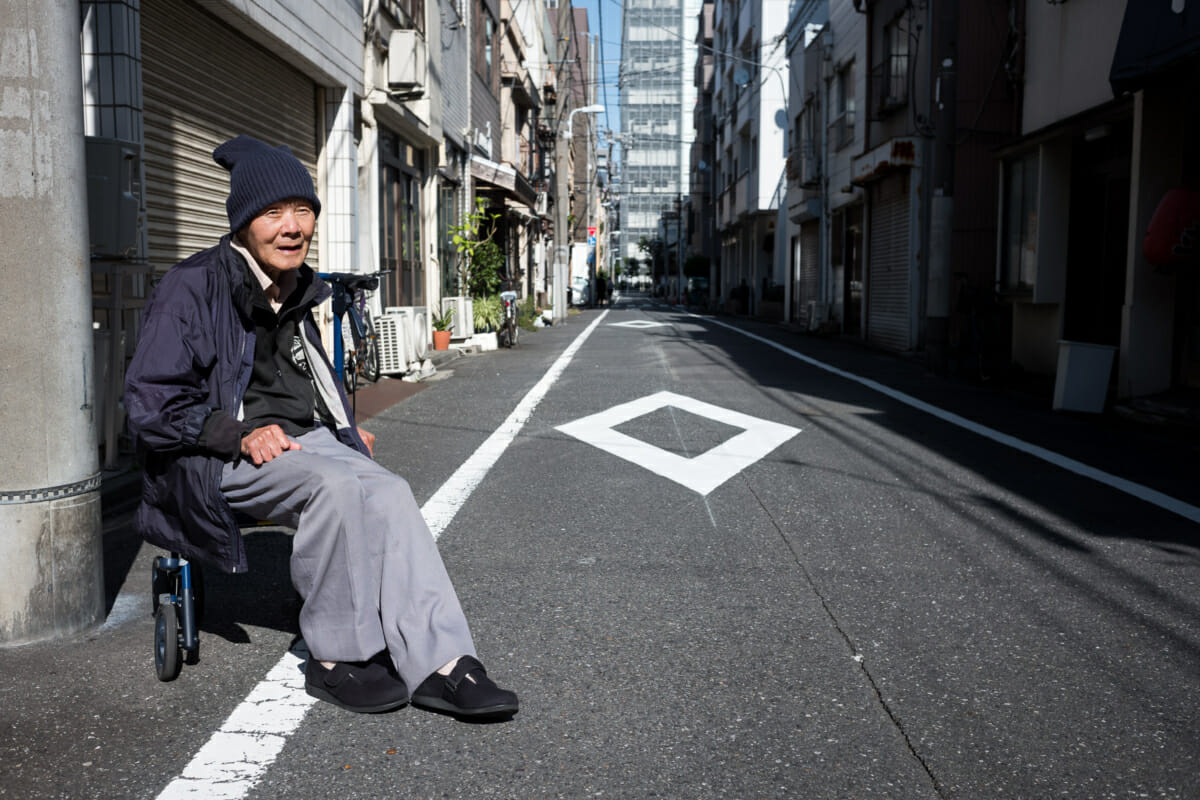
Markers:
point(1148, 315)
point(562, 236)
point(939, 283)
point(51, 579)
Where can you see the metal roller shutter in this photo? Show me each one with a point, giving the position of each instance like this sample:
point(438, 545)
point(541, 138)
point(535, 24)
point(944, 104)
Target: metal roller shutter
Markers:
point(887, 280)
point(203, 83)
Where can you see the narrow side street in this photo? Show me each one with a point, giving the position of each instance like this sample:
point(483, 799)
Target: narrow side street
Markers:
point(706, 576)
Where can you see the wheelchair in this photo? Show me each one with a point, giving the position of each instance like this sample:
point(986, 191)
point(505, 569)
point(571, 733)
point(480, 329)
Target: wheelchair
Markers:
point(177, 587)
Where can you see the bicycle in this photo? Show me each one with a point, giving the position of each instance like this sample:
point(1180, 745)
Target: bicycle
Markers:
point(352, 313)
point(510, 329)
point(364, 354)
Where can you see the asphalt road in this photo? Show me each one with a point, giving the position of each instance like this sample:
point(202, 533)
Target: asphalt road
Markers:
point(871, 602)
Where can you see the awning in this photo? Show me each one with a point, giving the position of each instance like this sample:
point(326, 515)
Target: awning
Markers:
point(504, 177)
point(894, 154)
point(1154, 40)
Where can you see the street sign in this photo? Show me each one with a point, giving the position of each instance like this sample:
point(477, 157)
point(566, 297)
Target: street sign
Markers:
point(591, 235)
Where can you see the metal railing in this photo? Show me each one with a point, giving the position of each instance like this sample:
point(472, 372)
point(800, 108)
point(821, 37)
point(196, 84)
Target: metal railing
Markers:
point(889, 85)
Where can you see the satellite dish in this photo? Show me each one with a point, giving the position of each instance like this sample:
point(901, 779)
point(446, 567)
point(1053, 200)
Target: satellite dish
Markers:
point(740, 76)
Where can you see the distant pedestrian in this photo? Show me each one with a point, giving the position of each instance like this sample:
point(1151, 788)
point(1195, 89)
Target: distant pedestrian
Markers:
point(601, 290)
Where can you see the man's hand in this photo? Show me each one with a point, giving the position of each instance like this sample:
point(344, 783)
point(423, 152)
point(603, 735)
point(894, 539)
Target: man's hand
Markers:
point(369, 440)
point(265, 443)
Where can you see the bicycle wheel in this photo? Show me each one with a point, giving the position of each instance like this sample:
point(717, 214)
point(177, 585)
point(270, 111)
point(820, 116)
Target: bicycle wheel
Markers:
point(370, 349)
point(350, 372)
point(370, 358)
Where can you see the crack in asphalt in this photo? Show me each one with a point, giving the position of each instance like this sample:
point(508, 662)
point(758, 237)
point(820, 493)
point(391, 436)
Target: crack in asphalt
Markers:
point(856, 654)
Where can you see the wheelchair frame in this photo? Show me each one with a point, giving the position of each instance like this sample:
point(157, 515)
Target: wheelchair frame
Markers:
point(177, 588)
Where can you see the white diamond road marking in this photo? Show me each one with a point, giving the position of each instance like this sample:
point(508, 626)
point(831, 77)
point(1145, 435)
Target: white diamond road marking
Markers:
point(638, 323)
point(701, 473)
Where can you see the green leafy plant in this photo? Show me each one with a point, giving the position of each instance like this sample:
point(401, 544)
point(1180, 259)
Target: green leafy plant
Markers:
point(526, 313)
point(481, 259)
point(443, 321)
point(487, 265)
point(487, 312)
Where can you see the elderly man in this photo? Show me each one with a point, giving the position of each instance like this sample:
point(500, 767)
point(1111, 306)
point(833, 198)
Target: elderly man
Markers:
point(236, 408)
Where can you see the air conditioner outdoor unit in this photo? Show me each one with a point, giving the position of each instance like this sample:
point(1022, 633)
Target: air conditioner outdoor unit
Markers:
point(542, 204)
point(422, 332)
point(114, 189)
point(407, 61)
point(394, 343)
point(417, 332)
point(462, 324)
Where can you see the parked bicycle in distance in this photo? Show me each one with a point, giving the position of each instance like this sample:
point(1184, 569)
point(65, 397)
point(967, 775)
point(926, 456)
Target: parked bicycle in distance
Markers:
point(358, 357)
point(509, 330)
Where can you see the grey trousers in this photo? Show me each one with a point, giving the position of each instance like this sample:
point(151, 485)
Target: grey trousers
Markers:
point(363, 559)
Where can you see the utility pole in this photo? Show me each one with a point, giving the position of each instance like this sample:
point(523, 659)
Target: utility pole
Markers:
point(562, 237)
point(51, 566)
point(941, 223)
point(679, 237)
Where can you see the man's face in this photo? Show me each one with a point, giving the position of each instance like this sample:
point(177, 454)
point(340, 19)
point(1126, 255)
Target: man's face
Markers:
point(279, 236)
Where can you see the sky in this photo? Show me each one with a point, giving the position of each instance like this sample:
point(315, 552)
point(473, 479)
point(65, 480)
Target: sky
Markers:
point(608, 47)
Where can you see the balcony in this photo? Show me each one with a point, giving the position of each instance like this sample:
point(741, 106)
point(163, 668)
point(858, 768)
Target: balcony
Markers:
point(518, 80)
point(889, 85)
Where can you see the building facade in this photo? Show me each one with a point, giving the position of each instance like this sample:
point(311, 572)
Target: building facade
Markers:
point(749, 98)
point(658, 46)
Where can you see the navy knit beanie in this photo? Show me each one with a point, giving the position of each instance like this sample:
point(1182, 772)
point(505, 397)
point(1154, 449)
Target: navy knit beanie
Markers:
point(260, 175)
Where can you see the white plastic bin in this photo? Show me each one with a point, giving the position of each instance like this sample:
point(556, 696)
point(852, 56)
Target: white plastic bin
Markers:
point(1081, 382)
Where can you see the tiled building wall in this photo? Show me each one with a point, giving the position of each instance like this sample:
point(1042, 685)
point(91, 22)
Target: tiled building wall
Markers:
point(112, 73)
point(340, 202)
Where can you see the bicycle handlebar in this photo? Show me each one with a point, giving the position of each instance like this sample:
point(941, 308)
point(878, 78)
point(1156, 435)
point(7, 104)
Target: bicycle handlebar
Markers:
point(352, 281)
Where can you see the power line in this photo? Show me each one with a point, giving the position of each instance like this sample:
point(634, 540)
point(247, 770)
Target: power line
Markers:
point(604, 83)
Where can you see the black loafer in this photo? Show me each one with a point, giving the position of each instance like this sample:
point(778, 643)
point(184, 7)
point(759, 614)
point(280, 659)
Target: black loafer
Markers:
point(367, 687)
point(466, 692)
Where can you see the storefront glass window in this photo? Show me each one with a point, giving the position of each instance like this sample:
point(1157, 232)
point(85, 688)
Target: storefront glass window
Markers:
point(401, 170)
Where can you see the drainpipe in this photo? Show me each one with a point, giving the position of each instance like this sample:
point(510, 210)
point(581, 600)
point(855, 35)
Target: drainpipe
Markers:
point(941, 212)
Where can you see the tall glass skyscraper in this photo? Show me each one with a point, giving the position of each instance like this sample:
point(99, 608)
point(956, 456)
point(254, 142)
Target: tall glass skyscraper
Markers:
point(658, 54)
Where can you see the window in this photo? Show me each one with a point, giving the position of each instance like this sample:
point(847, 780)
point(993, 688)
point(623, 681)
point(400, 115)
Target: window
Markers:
point(1018, 256)
point(889, 78)
point(485, 44)
point(810, 170)
point(401, 166)
point(489, 33)
point(411, 13)
point(841, 104)
point(447, 254)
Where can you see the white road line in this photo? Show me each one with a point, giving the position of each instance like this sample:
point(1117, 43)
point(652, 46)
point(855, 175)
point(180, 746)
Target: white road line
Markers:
point(248, 742)
point(446, 501)
point(1164, 501)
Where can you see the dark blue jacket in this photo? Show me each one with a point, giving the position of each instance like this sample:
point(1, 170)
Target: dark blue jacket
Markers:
point(194, 358)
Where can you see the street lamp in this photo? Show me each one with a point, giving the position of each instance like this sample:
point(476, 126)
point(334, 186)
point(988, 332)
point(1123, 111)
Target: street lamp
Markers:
point(595, 108)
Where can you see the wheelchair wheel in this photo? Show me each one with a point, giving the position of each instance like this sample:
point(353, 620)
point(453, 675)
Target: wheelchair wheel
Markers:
point(166, 643)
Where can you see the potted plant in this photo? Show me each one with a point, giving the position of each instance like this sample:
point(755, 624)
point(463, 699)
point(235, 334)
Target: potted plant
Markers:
point(441, 329)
